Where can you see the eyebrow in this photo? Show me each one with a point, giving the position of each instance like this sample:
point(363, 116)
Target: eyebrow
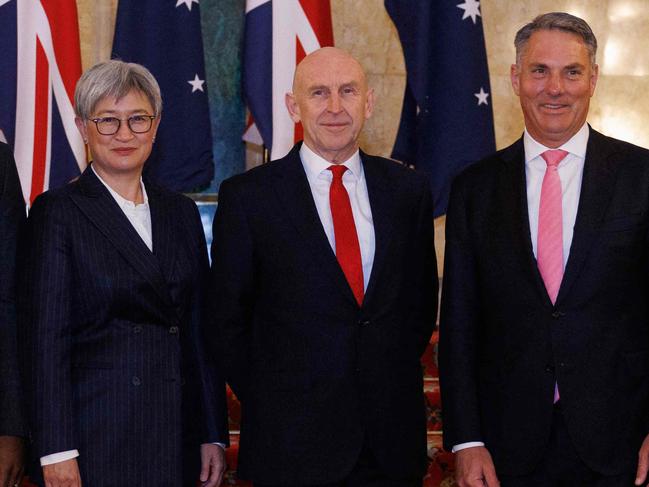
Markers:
point(117, 112)
point(569, 66)
point(353, 84)
point(317, 87)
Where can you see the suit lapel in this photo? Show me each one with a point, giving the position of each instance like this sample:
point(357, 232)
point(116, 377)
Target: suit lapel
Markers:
point(514, 194)
point(294, 193)
point(597, 187)
point(96, 203)
point(380, 192)
point(161, 229)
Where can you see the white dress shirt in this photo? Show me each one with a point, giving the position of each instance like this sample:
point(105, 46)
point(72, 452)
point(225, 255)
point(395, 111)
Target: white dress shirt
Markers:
point(571, 171)
point(319, 177)
point(140, 217)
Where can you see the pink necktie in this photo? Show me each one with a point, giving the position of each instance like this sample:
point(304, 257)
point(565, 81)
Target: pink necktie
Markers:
point(549, 246)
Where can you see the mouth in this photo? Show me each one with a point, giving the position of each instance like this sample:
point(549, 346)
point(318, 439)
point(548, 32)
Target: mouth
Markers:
point(554, 107)
point(335, 127)
point(124, 151)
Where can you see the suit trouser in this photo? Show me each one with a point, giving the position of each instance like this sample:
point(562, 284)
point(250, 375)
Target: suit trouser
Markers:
point(562, 467)
point(366, 473)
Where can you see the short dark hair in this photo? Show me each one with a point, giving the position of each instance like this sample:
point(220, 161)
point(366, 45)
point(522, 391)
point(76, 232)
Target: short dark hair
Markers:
point(556, 21)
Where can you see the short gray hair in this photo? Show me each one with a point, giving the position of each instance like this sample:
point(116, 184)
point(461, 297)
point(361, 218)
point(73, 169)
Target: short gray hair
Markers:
point(556, 21)
point(114, 79)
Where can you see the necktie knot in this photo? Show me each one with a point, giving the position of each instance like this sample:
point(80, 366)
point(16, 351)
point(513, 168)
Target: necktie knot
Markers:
point(337, 170)
point(553, 157)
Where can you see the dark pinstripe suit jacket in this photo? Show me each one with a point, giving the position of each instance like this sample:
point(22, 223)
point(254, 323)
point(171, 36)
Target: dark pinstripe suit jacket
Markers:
point(12, 217)
point(116, 368)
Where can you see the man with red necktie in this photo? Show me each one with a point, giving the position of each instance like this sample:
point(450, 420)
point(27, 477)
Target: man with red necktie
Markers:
point(324, 286)
point(544, 334)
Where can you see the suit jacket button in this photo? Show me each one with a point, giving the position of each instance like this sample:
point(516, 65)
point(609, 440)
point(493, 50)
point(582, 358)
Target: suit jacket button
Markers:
point(549, 369)
point(136, 380)
point(557, 314)
point(364, 322)
point(137, 329)
point(173, 330)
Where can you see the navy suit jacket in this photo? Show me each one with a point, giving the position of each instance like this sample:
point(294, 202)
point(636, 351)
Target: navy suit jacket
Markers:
point(114, 363)
point(503, 344)
point(318, 376)
point(12, 218)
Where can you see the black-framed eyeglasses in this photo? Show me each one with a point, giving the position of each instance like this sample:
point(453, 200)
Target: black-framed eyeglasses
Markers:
point(138, 124)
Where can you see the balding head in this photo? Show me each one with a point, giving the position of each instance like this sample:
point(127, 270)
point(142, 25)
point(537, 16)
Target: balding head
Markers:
point(328, 59)
point(331, 99)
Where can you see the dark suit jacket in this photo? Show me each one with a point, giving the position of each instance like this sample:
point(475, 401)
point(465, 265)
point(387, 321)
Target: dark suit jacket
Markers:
point(318, 376)
point(12, 218)
point(111, 336)
point(502, 342)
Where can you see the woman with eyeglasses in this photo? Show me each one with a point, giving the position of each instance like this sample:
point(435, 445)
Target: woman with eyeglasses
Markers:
point(119, 390)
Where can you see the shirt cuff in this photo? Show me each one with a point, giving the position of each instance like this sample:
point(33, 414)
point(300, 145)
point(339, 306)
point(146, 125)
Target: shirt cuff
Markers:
point(468, 444)
point(59, 457)
point(222, 445)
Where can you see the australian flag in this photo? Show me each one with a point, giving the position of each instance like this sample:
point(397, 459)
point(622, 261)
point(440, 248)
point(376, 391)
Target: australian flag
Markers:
point(446, 120)
point(40, 63)
point(166, 38)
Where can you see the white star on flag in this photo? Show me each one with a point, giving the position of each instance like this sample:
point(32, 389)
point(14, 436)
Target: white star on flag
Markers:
point(482, 97)
point(188, 3)
point(197, 84)
point(471, 9)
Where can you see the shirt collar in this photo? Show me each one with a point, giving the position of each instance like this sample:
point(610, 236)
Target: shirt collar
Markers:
point(121, 201)
point(314, 165)
point(576, 145)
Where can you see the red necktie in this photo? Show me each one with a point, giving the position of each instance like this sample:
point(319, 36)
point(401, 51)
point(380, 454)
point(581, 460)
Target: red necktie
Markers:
point(348, 251)
point(549, 244)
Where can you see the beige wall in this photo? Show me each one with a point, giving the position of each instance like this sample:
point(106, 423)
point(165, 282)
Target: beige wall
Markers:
point(620, 107)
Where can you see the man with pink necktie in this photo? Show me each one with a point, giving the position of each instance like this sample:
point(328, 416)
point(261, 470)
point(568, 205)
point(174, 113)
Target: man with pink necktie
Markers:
point(544, 335)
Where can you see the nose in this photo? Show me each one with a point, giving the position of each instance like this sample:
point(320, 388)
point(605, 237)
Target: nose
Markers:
point(555, 84)
point(333, 103)
point(124, 132)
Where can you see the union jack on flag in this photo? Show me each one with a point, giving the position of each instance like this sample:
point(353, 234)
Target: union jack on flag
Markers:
point(278, 35)
point(40, 62)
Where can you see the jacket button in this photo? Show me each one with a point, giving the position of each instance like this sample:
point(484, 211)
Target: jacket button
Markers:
point(173, 330)
point(136, 380)
point(364, 323)
point(137, 329)
point(549, 369)
point(557, 314)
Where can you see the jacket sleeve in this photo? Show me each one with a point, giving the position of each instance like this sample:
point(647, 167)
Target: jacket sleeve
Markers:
point(231, 289)
point(211, 380)
point(12, 219)
point(427, 280)
point(459, 326)
point(45, 288)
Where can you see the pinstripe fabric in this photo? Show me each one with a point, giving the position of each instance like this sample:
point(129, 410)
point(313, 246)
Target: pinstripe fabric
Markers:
point(12, 217)
point(111, 331)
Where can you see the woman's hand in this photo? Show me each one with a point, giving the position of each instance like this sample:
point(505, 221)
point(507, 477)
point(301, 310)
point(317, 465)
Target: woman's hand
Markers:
point(62, 474)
